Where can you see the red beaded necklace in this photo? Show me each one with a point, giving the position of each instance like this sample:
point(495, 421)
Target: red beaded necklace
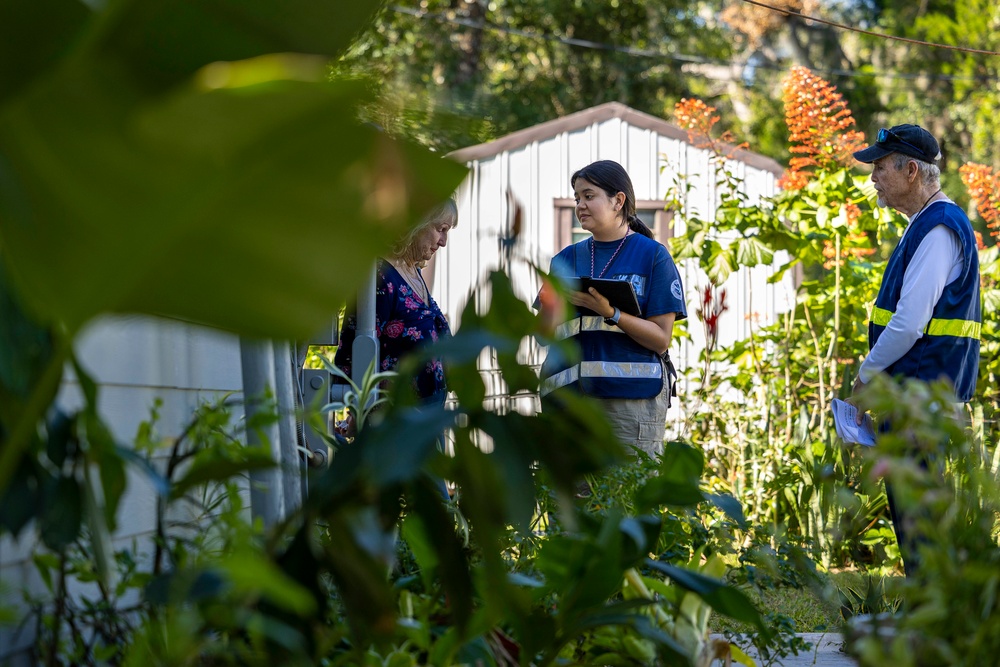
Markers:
point(613, 255)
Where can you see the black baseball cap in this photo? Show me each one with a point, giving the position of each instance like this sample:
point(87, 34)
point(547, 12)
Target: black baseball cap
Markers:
point(907, 139)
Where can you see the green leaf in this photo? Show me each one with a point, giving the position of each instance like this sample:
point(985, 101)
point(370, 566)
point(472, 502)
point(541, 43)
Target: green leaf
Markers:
point(730, 505)
point(677, 481)
point(991, 300)
point(205, 205)
point(211, 465)
point(416, 537)
point(682, 247)
point(681, 462)
point(514, 458)
point(33, 36)
point(62, 515)
point(21, 499)
point(455, 574)
point(720, 264)
point(252, 572)
point(164, 41)
point(722, 597)
point(657, 492)
point(396, 449)
point(361, 579)
point(750, 251)
point(26, 348)
point(822, 215)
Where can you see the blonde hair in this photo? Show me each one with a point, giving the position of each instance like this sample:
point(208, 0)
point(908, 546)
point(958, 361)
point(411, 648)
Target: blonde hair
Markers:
point(405, 250)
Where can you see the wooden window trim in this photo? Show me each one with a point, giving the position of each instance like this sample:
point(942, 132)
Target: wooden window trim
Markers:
point(564, 214)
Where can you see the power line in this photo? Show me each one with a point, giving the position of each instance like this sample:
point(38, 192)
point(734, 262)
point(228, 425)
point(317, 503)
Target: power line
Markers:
point(880, 35)
point(569, 41)
point(660, 55)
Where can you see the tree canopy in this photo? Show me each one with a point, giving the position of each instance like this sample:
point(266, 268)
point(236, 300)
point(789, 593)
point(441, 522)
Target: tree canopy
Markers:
point(454, 73)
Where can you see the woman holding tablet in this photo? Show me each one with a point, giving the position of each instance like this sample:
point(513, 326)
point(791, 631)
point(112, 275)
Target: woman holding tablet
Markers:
point(623, 361)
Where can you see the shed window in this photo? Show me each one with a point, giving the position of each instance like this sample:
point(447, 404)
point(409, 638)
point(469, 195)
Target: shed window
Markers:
point(651, 212)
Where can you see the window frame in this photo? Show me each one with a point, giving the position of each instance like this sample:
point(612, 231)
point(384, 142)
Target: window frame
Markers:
point(564, 215)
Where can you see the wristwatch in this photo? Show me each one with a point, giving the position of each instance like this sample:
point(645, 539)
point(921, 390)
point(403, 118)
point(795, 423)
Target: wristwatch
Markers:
point(613, 320)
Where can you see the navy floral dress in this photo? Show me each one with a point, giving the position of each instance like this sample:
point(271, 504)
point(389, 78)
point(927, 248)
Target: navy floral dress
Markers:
point(403, 322)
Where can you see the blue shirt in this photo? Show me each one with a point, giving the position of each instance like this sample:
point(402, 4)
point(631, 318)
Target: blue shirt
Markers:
point(657, 284)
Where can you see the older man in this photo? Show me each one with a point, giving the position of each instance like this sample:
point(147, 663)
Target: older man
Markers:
point(926, 319)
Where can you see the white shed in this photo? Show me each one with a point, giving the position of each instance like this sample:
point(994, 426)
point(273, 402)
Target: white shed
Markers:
point(535, 165)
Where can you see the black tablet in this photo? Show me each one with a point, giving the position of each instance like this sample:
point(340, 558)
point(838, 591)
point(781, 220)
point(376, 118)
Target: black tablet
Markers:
point(620, 293)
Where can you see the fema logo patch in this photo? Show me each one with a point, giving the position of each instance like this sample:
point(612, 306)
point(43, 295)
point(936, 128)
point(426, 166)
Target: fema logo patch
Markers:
point(675, 289)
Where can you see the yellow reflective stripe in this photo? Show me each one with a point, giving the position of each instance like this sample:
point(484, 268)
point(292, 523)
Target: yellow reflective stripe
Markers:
point(936, 327)
point(881, 316)
point(957, 328)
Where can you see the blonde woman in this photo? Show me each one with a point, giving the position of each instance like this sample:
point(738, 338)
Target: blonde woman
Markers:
point(406, 316)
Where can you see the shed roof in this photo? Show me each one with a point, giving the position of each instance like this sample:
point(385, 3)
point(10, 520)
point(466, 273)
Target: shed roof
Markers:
point(601, 112)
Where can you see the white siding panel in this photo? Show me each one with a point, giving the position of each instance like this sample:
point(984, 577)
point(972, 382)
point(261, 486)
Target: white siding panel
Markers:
point(580, 152)
point(453, 267)
point(148, 351)
point(639, 162)
point(521, 178)
point(610, 144)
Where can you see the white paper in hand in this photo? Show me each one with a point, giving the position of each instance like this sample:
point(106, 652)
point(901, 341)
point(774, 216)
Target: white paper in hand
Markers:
point(845, 419)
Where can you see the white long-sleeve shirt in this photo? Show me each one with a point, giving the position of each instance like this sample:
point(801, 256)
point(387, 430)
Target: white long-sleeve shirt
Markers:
point(936, 263)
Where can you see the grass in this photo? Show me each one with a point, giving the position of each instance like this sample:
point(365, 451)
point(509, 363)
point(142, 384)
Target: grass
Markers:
point(817, 610)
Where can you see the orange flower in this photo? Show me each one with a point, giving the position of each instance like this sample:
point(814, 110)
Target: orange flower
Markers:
point(820, 127)
point(983, 185)
point(699, 120)
point(854, 246)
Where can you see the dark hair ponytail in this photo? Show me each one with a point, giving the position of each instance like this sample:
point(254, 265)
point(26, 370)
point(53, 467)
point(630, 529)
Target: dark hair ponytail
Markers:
point(639, 227)
point(611, 177)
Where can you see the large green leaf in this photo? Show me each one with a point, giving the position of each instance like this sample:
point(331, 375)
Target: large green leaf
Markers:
point(722, 597)
point(250, 571)
point(750, 251)
point(164, 41)
point(678, 481)
point(62, 516)
point(451, 557)
point(25, 350)
point(33, 35)
point(210, 205)
point(515, 437)
point(719, 263)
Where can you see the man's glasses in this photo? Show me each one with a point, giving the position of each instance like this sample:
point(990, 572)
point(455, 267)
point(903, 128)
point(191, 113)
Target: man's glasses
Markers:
point(884, 135)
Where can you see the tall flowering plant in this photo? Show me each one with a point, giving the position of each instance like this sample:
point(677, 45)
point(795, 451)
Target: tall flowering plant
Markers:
point(820, 126)
point(983, 184)
point(778, 382)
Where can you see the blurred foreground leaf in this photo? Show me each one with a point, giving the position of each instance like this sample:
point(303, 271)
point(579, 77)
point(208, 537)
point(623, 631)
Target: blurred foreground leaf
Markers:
point(243, 195)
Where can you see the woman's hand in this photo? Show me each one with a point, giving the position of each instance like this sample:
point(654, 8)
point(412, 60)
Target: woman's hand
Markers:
point(653, 334)
point(592, 300)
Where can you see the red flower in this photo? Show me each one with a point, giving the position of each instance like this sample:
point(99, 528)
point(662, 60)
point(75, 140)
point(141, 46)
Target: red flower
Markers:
point(713, 304)
point(394, 329)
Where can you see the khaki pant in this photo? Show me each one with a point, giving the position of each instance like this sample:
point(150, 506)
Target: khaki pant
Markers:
point(641, 422)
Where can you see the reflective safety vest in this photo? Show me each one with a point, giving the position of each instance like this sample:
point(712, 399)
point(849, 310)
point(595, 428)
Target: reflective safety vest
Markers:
point(610, 364)
point(613, 365)
point(949, 346)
